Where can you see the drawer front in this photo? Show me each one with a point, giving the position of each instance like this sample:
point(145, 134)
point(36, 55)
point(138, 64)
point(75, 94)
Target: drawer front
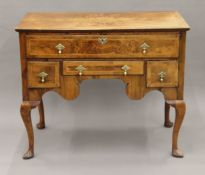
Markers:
point(43, 74)
point(103, 46)
point(103, 67)
point(162, 73)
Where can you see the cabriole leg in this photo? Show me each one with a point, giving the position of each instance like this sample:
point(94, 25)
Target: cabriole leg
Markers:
point(41, 124)
point(167, 122)
point(180, 108)
point(25, 110)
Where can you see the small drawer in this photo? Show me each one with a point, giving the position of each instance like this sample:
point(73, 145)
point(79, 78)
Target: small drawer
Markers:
point(103, 67)
point(162, 74)
point(139, 45)
point(43, 74)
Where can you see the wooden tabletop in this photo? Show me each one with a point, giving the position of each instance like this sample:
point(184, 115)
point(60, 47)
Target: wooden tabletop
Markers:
point(103, 21)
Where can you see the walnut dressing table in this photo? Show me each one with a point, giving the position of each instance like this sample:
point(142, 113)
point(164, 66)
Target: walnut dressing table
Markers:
point(146, 50)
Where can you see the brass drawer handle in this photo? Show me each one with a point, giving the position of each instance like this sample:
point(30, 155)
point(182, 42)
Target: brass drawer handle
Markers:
point(102, 40)
point(42, 76)
point(125, 68)
point(60, 47)
point(162, 76)
point(144, 48)
point(80, 69)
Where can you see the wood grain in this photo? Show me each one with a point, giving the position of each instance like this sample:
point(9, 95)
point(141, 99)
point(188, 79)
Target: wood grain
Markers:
point(25, 110)
point(167, 122)
point(22, 43)
point(36, 67)
point(164, 32)
point(171, 20)
point(182, 65)
point(41, 124)
point(117, 46)
point(170, 68)
point(103, 67)
point(180, 108)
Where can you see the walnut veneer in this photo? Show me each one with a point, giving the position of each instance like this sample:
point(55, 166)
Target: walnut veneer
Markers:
point(146, 50)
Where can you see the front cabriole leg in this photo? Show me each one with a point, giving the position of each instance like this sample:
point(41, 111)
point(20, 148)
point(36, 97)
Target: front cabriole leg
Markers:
point(180, 108)
point(25, 110)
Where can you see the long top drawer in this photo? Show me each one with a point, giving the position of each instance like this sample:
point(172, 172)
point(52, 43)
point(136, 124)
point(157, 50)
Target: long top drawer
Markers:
point(103, 46)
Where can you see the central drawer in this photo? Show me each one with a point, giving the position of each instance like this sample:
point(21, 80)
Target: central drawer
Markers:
point(139, 45)
point(103, 67)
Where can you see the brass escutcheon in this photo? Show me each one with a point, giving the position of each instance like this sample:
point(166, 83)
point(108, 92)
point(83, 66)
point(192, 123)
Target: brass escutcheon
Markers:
point(102, 40)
